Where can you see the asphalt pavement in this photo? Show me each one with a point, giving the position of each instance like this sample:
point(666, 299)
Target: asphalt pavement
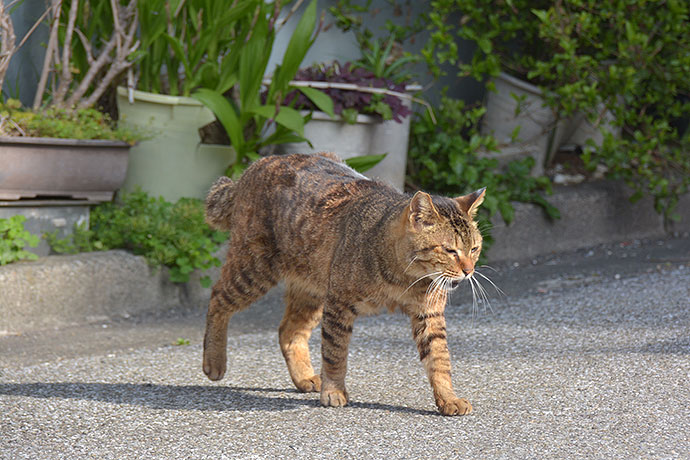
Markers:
point(586, 356)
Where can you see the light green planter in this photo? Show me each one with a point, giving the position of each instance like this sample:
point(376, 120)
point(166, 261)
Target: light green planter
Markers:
point(173, 162)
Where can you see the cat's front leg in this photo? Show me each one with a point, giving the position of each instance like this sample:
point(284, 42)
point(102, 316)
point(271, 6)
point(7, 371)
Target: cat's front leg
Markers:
point(336, 330)
point(429, 332)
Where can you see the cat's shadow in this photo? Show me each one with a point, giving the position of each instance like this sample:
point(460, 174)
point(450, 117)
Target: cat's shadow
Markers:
point(186, 397)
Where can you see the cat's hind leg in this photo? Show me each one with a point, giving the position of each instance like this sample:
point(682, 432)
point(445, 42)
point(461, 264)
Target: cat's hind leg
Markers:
point(243, 280)
point(302, 314)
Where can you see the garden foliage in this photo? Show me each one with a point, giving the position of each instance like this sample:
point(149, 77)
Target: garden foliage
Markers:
point(167, 234)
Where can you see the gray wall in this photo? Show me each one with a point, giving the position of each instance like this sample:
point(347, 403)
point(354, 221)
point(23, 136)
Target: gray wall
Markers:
point(331, 44)
point(25, 67)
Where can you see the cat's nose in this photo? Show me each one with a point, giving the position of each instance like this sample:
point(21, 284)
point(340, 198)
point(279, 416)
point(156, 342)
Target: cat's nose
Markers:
point(466, 266)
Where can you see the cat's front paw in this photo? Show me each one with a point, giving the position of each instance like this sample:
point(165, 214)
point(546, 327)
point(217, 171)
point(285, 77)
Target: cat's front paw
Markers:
point(310, 385)
point(454, 406)
point(333, 398)
point(214, 365)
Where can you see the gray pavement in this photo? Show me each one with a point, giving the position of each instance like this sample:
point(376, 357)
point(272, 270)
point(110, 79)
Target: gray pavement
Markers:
point(588, 356)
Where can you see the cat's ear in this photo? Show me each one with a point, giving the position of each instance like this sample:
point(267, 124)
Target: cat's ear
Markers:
point(470, 203)
point(421, 211)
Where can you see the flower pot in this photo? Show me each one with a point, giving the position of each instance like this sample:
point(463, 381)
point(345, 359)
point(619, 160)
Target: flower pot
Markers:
point(81, 169)
point(368, 136)
point(172, 163)
point(518, 104)
point(582, 132)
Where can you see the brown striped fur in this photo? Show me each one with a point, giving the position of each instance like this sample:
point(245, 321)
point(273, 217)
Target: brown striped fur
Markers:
point(345, 246)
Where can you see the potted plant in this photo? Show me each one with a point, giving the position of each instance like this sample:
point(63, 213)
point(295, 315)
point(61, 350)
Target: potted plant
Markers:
point(184, 46)
point(254, 114)
point(625, 66)
point(217, 54)
point(64, 147)
point(372, 100)
point(507, 50)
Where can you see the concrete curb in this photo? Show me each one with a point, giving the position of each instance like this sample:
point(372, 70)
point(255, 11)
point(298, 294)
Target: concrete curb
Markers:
point(57, 291)
point(591, 214)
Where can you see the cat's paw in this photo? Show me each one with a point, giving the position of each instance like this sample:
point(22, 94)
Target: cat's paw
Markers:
point(310, 385)
point(333, 398)
point(214, 366)
point(454, 406)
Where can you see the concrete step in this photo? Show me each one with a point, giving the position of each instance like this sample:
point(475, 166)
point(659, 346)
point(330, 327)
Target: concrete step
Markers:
point(56, 291)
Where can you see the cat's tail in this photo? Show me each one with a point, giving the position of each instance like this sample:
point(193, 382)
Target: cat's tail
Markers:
point(219, 203)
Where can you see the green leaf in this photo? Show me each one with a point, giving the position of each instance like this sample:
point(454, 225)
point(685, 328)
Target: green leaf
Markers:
point(287, 117)
point(320, 99)
point(252, 65)
point(225, 113)
point(178, 49)
point(297, 48)
point(364, 163)
point(349, 116)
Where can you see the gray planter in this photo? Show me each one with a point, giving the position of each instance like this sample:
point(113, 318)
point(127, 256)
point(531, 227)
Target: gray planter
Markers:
point(32, 167)
point(540, 131)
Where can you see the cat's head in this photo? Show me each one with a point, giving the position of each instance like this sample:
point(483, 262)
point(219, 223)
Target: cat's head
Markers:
point(443, 238)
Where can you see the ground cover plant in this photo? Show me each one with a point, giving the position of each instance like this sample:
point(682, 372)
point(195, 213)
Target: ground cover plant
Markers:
point(173, 235)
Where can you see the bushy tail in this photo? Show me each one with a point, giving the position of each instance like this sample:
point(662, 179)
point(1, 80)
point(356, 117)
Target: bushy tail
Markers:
point(219, 203)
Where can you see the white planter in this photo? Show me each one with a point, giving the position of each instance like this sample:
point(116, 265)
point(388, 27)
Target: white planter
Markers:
point(368, 136)
point(582, 131)
point(173, 162)
point(517, 103)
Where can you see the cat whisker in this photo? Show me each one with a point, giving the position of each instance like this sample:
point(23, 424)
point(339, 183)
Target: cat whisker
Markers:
point(489, 267)
point(436, 290)
point(410, 264)
point(482, 292)
point(498, 289)
point(418, 280)
point(475, 307)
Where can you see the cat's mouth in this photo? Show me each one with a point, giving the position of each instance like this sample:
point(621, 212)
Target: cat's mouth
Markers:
point(453, 285)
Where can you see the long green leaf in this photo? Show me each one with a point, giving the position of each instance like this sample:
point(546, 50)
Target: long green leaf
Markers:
point(320, 99)
point(253, 62)
point(364, 162)
point(179, 52)
point(225, 113)
point(287, 117)
point(297, 48)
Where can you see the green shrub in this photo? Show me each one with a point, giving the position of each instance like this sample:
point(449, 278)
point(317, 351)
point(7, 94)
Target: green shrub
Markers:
point(628, 59)
point(14, 238)
point(446, 158)
point(172, 235)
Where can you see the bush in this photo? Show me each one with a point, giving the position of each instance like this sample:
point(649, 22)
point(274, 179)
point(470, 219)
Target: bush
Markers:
point(13, 239)
point(628, 59)
point(173, 235)
point(445, 158)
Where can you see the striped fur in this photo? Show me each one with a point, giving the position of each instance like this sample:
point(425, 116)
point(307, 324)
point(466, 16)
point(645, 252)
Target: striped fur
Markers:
point(345, 246)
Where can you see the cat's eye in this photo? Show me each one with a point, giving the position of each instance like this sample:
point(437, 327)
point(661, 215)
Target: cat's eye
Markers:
point(474, 249)
point(449, 250)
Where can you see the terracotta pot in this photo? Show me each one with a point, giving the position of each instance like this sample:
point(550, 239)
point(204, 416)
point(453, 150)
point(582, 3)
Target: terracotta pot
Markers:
point(32, 167)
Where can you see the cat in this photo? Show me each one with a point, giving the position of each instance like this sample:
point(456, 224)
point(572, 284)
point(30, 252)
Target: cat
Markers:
point(345, 246)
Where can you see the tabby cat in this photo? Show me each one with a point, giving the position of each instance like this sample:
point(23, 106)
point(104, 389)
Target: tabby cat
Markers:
point(345, 246)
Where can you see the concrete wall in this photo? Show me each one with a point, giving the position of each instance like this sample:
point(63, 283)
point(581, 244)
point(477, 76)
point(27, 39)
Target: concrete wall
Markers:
point(25, 67)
